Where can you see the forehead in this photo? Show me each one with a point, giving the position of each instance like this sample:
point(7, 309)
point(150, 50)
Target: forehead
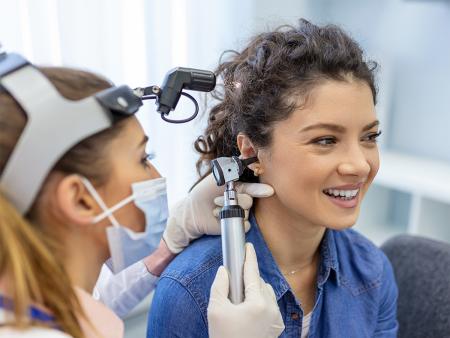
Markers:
point(131, 133)
point(348, 103)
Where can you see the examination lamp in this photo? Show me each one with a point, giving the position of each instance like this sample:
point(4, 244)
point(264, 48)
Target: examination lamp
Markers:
point(177, 79)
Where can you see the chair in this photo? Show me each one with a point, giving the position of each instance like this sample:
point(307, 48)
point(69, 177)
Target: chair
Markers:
point(422, 270)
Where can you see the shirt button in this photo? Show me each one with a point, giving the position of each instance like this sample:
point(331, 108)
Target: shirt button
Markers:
point(294, 316)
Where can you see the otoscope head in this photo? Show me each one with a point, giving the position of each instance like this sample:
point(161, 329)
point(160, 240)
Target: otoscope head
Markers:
point(181, 78)
point(228, 169)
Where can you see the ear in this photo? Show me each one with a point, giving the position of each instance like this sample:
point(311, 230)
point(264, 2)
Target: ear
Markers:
point(248, 150)
point(75, 201)
point(245, 146)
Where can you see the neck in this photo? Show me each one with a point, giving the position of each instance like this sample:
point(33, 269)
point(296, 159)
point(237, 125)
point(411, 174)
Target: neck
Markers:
point(83, 263)
point(81, 255)
point(293, 241)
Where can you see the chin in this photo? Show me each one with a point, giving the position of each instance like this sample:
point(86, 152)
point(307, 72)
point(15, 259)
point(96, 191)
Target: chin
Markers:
point(342, 222)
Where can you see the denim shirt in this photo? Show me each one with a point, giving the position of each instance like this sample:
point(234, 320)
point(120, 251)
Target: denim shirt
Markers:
point(356, 291)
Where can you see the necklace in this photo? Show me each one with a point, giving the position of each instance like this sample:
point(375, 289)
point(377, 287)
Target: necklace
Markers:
point(290, 273)
point(293, 272)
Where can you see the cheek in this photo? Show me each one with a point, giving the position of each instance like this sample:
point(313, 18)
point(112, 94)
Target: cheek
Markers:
point(373, 159)
point(297, 177)
point(374, 162)
point(131, 217)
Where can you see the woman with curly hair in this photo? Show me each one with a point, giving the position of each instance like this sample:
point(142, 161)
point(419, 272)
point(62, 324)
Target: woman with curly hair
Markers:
point(302, 99)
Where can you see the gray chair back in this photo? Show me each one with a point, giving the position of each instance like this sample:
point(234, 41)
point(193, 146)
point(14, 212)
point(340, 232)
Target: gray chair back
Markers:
point(422, 271)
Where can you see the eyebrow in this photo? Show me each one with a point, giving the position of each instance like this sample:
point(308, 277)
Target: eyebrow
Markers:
point(143, 142)
point(337, 128)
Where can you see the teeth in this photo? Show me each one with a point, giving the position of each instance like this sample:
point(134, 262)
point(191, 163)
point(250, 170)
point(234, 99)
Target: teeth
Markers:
point(342, 193)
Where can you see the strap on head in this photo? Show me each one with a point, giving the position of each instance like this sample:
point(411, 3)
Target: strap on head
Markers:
point(55, 124)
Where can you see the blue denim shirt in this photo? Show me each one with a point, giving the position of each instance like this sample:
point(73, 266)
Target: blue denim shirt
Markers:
point(356, 291)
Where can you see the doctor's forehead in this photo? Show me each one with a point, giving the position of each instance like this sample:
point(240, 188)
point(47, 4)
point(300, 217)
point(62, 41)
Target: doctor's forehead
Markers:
point(131, 134)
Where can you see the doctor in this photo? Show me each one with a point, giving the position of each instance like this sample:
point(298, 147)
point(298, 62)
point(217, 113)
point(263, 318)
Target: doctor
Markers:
point(78, 189)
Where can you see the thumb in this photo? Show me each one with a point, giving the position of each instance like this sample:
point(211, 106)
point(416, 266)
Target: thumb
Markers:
point(258, 190)
point(252, 280)
point(220, 286)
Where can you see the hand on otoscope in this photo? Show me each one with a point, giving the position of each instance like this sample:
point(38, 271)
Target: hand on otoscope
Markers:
point(257, 317)
point(196, 215)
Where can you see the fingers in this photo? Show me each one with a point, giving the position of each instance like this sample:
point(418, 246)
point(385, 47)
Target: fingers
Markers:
point(220, 286)
point(252, 279)
point(256, 190)
point(216, 212)
point(270, 292)
point(247, 226)
point(175, 236)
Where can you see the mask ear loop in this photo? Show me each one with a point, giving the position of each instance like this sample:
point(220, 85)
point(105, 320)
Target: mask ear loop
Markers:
point(114, 208)
point(106, 211)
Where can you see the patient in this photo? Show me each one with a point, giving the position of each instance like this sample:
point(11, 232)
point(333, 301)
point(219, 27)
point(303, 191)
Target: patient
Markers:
point(301, 99)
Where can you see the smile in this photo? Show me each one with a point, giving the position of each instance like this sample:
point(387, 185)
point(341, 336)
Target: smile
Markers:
point(342, 194)
point(344, 198)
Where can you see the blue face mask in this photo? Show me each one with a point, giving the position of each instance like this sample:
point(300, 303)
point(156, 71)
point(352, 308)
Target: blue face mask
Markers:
point(126, 246)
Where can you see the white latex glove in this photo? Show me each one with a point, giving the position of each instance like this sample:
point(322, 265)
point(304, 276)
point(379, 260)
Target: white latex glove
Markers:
point(196, 214)
point(257, 317)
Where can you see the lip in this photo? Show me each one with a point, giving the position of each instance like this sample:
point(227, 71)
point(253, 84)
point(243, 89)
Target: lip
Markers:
point(347, 187)
point(346, 204)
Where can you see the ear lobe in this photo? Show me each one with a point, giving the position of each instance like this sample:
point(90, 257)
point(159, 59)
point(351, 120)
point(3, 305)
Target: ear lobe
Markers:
point(75, 202)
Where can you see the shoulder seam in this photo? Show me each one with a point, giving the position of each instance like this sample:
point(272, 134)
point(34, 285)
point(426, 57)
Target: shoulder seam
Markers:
point(205, 322)
point(186, 280)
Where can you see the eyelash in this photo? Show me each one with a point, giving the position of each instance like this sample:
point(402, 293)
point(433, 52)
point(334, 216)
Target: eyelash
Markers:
point(147, 158)
point(372, 138)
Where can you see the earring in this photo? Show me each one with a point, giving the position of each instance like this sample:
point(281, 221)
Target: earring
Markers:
point(257, 171)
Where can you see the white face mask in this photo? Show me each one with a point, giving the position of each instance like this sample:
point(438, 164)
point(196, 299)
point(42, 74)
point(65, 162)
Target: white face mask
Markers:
point(126, 246)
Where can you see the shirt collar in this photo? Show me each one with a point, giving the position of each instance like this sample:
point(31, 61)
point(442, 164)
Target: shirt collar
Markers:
point(269, 269)
point(267, 265)
point(329, 259)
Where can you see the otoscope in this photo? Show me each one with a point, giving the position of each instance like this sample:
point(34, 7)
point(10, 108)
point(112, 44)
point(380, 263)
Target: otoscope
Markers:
point(227, 170)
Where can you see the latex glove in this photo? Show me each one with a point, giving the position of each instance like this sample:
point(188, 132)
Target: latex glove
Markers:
point(196, 214)
point(257, 317)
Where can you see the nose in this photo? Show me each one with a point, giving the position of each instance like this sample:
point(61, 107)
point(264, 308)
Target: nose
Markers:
point(355, 163)
point(153, 172)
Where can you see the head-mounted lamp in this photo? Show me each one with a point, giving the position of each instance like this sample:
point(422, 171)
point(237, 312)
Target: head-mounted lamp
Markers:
point(56, 124)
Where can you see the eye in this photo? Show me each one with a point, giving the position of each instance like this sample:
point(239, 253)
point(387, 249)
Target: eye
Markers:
point(145, 160)
point(325, 141)
point(372, 137)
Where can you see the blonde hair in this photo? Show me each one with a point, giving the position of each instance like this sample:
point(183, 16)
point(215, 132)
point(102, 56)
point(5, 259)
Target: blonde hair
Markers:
point(28, 256)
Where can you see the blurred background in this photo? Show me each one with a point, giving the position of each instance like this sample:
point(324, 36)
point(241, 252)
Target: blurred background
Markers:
point(136, 42)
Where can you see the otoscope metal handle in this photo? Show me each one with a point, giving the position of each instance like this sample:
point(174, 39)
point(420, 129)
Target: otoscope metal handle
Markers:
point(233, 243)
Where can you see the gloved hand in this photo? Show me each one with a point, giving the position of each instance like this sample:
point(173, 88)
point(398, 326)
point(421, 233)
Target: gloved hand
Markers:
point(196, 214)
point(257, 317)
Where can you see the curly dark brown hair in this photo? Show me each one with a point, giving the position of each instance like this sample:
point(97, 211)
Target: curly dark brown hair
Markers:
point(259, 82)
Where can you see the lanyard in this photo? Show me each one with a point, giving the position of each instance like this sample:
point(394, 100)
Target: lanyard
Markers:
point(33, 312)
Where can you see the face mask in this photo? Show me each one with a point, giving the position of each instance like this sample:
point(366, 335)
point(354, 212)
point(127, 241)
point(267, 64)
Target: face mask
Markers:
point(126, 246)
